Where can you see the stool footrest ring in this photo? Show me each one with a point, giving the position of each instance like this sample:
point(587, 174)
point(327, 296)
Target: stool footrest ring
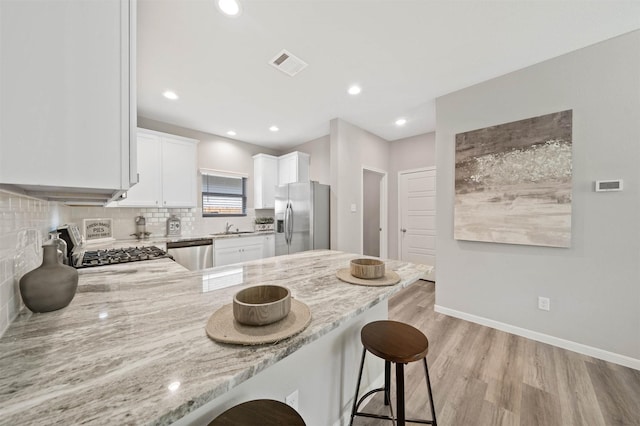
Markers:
point(374, 416)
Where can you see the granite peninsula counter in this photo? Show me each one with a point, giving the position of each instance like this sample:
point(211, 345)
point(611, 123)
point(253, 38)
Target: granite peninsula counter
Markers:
point(131, 347)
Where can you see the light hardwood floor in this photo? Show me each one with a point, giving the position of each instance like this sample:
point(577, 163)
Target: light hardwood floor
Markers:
point(481, 376)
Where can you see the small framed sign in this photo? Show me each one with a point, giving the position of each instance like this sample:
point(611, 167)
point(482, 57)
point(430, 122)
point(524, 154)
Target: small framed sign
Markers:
point(98, 230)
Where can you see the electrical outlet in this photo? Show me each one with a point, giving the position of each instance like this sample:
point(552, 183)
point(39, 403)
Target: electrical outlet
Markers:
point(292, 400)
point(544, 303)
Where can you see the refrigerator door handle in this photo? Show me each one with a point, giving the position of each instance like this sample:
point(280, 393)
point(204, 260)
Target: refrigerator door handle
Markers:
point(286, 224)
point(287, 220)
point(290, 223)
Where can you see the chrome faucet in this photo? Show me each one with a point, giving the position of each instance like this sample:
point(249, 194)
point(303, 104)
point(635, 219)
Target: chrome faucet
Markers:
point(228, 227)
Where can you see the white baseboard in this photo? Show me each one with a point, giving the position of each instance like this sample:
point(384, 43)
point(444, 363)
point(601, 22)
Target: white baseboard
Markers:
point(544, 338)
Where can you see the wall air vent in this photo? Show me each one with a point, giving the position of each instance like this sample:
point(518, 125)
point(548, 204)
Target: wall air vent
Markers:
point(288, 63)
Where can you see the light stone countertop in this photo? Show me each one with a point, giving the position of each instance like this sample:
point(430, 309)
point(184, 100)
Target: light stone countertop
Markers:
point(161, 241)
point(134, 329)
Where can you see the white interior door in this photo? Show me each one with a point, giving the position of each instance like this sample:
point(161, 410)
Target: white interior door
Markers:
point(417, 194)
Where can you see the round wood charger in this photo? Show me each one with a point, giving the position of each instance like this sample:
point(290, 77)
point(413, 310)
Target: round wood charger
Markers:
point(222, 326)
point(389, 278)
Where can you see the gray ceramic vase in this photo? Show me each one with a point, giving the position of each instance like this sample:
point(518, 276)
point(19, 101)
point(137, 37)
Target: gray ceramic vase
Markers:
point(51, 286)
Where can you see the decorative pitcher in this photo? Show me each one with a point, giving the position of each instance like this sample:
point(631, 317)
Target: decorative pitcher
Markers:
point(51, 286)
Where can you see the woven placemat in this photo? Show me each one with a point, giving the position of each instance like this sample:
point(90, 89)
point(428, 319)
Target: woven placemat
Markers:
point(390, 278)
point(222, 326)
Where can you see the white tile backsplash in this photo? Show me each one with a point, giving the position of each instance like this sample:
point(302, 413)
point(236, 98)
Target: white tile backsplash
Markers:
point(192, 222)
point(24, 224)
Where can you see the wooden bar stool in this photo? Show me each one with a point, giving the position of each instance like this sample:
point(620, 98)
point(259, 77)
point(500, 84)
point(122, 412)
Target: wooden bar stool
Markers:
point(401, 344)
point(259, 412)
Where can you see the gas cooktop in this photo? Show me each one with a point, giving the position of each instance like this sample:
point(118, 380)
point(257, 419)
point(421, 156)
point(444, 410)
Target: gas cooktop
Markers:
point(91, 258)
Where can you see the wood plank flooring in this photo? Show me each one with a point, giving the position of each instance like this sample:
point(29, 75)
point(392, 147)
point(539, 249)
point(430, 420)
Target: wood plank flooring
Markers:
point(481, 376)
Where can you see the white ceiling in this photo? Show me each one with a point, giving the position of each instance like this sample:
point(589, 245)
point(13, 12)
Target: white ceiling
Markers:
point(404, 54)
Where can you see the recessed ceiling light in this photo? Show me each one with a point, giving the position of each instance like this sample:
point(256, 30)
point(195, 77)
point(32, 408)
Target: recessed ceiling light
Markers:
point(231, 133)
point(174, 386)
point(401, 121)
point(229, 7)
point(170, 95)
point(274, 128)
point(354, 90)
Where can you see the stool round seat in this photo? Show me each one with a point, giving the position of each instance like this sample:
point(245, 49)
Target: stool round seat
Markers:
point(394, 341)
point(259, 412)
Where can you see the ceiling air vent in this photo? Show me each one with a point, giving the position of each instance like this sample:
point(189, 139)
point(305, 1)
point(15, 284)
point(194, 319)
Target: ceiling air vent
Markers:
point(288, 63)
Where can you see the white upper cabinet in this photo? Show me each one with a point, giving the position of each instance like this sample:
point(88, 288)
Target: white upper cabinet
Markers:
point(265, 180)
point(167, 168)
point(293, 167)
point(148, 191)
point(68, 96)
point(179, 172)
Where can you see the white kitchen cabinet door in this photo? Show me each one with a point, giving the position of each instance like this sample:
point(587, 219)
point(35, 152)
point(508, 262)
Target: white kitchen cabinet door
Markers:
point(265, 178)
point(236, 250)
point(293, 167)
point(167, 172)
point(252, 252)
point(68, 94)
point(178, 173)
point(268, 246)
point(148, 191)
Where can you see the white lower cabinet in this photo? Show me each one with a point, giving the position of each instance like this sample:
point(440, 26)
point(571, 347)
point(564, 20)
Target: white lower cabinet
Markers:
point(235, 250)
point(269, 245)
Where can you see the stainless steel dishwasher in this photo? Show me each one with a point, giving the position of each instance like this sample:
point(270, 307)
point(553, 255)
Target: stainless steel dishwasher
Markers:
point(193, 254)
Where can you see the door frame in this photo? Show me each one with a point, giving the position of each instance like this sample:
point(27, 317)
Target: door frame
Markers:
point(400, 173)
point(384, 221)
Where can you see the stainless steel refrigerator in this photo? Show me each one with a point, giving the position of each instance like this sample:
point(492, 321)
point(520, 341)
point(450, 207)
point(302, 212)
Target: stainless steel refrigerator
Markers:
point(302, 217)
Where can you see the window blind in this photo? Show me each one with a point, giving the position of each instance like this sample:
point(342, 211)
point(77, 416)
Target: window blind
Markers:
point(223, 195)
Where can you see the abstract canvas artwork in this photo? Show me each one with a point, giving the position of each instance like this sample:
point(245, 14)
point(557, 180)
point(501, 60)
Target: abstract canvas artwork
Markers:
point(513, 182)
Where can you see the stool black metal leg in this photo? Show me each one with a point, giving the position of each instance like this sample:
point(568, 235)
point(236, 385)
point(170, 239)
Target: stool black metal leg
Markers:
point(433, 408)
point(386, 339)
point(387, 381)
point(355, 399)
point(400, 393)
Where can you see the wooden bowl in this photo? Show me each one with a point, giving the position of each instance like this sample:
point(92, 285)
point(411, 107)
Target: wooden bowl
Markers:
point(367, 269)
point(261, 305)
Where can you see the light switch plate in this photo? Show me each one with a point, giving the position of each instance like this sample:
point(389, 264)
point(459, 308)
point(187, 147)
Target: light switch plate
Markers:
point(353, 208)
point(544, 303)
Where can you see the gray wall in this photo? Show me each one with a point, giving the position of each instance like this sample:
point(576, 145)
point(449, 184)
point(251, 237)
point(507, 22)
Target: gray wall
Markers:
point(406, 154)
point(594, 286)
point(319, 150)
point(351, 149)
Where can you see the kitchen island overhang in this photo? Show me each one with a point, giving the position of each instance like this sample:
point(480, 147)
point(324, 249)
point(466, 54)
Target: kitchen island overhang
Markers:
point(131, 347)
